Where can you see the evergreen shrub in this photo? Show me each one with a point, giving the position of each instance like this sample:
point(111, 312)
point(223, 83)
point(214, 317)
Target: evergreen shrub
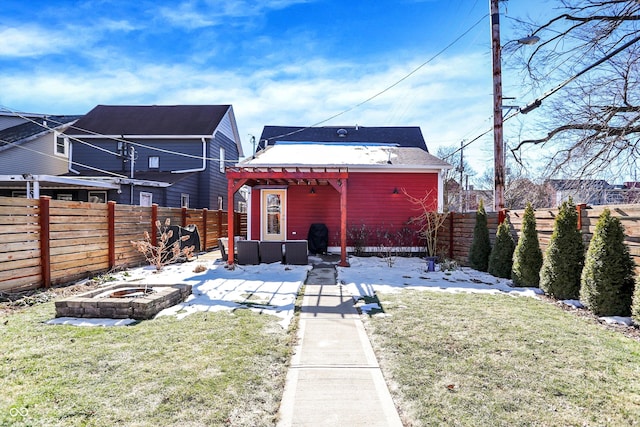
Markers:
point(481, 245)
point(564, 257)
point(607, 280)
point(501, 258)
point(527, 258)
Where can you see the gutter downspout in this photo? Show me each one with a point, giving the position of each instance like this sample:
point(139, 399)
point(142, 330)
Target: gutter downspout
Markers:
point(70, 167)
point(204, 160)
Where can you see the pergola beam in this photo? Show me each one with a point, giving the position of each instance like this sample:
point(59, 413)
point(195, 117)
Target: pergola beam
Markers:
point(237, 177)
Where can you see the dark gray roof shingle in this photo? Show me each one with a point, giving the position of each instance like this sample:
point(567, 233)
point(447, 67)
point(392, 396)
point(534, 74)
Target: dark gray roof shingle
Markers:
point(151, 120)
point(37, 126)
point(404, 136)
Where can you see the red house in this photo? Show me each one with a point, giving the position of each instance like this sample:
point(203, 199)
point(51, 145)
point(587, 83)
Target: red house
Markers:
point(345, 178)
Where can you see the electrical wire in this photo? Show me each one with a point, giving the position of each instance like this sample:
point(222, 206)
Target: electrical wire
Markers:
point(16, 145)
point(371, 98)
point(388, 88)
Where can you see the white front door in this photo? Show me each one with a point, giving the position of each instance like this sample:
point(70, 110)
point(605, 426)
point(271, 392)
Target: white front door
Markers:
point(273, 212)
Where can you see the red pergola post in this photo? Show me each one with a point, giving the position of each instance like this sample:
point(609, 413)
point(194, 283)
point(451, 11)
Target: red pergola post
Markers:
point(230, 236)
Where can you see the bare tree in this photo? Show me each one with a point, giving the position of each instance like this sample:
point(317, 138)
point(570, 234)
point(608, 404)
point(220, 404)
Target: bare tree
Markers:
point(453, 184)
point(520, 190)
point(588, 61)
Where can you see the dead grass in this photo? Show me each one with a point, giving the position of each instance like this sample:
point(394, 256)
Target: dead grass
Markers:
point(207, 369)
point(485, 360)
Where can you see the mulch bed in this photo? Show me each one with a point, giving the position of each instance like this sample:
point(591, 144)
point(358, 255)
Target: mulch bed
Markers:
point(632, 332)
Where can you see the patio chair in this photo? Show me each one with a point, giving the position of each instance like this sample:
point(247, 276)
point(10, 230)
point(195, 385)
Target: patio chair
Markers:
point(295, 252)
point(223, 250)
point(247, 251)
point(270, 252)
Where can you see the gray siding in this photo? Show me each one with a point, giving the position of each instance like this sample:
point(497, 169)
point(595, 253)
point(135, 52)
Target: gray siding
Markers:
point(35, 157)
point(91, 156)
point(189, 185)
point(217, 181)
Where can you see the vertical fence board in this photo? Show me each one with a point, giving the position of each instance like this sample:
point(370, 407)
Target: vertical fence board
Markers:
point(20, 267)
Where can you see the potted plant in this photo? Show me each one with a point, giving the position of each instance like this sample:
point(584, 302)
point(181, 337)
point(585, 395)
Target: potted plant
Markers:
point(429, 222)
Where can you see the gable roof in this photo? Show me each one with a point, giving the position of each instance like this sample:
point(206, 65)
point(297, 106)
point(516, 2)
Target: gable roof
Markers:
point(32, 129)
point(149, 120)
point(403, 136)
point(351, 155)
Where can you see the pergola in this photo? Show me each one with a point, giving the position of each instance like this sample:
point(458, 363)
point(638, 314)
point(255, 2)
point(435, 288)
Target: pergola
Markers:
point(254, 176)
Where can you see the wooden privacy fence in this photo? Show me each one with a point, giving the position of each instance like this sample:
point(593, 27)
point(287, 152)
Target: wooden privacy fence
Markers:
point(457, 234)
point(45, 242)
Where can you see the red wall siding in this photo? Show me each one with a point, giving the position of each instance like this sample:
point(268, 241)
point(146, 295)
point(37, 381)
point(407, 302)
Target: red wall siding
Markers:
point(306, 209)
point(370, 201)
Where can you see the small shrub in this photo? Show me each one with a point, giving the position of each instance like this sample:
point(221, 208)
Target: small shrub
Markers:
point(501, 258)
point(527, 258)
point(358, 236)
point(481, 245)
point(448, 264)
point(429, 220)
point(200, 268)
point(564, 258)
point(164, 252)
point(607, 280)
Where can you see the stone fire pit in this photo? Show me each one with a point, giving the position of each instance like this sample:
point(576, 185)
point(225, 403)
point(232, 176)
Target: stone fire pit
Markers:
point(123, 301)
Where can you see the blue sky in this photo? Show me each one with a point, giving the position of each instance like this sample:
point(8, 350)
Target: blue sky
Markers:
point(278, 62)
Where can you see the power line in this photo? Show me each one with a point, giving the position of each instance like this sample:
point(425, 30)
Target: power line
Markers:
point(388, 88)
point(14, 144)
point(371, 98)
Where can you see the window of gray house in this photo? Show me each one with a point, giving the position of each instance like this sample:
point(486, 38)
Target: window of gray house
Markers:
point(154, 162)
point(220, 203)
point(62, 143)
point(222, 154)
point(184, 200)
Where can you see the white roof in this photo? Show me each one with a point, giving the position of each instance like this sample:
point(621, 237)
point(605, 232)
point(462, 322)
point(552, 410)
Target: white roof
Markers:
point(352, 155)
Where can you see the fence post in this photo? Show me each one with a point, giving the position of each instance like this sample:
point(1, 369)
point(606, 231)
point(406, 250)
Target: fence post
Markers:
point(183, 213)
point(451, 240)
point(45, 244)
point(111, 218)
point(220, 233)
point(502, 215)
point(580, 208)
point(154, 229)
point(204, 228)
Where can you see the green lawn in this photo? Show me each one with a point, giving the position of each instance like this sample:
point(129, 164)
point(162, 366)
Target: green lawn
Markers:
point(487, 360)
point(451, 359)
point(207, 369)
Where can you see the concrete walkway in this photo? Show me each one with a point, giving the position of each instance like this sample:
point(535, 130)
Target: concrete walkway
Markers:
point(334, 378)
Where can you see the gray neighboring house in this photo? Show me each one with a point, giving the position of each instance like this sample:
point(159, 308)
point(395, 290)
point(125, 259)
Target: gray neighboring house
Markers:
point(173, 155)
point(33, 155)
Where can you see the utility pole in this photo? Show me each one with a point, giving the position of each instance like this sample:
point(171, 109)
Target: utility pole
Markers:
point(461, 168)
point(498, 148)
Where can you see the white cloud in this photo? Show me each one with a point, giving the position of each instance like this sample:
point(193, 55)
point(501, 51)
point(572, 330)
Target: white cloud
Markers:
point(33, 41)
point(194, 14)
point(448, 99)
